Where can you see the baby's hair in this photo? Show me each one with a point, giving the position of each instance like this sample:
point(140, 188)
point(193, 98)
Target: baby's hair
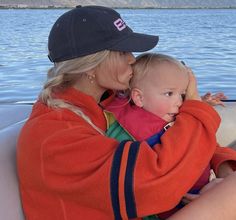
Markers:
point(64, 75)
point(145, 61)
point(141, 69)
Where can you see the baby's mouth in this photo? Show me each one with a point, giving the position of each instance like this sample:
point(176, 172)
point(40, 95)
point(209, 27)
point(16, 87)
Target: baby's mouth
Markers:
point(172, 115)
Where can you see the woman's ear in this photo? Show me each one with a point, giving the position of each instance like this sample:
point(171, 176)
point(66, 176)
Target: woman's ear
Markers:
point(91, 75)
point(137, 97)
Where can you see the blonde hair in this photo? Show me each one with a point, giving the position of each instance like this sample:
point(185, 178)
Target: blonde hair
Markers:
point(64, 75)
point(145, 61)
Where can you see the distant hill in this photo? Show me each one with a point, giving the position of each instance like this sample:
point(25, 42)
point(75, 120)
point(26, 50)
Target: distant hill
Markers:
point(119, 3)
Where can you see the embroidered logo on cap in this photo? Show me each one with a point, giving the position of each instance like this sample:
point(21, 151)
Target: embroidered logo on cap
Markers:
point(120, 24)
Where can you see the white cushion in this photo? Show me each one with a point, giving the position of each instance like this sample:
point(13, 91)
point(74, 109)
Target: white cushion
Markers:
point(226, 134)
point(12, 118)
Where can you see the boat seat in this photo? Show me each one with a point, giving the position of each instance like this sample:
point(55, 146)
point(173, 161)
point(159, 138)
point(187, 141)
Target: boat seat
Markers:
point(12, 118)
point(226, 134)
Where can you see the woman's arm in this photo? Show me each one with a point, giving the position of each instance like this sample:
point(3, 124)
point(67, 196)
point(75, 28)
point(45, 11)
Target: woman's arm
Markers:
point(223, 161)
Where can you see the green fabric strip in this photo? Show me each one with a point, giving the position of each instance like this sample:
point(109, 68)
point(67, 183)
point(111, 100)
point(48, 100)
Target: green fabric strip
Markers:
point(118, 132)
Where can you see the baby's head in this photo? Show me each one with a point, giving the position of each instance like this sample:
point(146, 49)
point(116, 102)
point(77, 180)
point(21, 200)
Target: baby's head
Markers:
point(159, 84)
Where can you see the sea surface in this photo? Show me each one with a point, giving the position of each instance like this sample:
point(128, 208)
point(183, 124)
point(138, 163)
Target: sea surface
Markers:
point(204, 39)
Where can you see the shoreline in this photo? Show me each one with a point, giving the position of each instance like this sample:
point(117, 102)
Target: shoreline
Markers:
point(70, 7)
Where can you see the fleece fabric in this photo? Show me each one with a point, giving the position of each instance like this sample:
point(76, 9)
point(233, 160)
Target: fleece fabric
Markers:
point(144, 125)
point(69, 171)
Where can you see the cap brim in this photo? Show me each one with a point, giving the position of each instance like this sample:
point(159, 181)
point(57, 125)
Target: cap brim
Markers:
point(136, 42)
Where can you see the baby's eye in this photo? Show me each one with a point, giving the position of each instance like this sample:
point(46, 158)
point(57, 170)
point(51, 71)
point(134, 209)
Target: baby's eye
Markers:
point(183, 96)
point(168, 93)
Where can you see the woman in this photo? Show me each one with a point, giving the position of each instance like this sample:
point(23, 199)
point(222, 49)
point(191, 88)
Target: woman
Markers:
point(68, 168)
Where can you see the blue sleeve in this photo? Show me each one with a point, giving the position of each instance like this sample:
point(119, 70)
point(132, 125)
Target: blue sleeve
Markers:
point(155, 139)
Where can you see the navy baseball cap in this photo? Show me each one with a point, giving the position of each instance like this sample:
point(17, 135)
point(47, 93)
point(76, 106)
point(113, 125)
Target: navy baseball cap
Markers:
point(90, 29)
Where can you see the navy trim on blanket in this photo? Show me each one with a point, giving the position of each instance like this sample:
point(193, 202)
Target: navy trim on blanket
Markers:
point(129, 193)
point(114, 180)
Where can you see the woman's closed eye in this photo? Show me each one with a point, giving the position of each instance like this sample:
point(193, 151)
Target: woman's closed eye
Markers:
point(123, 53)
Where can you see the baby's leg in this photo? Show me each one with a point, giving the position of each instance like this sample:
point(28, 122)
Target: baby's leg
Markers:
point(216, 204)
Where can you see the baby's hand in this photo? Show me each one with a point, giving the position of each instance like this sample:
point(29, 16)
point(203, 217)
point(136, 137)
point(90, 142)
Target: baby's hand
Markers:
point(214, 99)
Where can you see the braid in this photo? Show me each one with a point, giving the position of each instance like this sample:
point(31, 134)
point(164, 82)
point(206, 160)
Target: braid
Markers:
point(64, 75)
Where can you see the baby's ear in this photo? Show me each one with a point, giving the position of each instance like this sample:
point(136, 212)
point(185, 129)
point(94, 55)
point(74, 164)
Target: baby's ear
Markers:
point(137, 97)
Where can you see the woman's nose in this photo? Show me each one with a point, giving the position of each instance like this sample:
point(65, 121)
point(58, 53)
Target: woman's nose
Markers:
point(179, 101)
point(131, 58)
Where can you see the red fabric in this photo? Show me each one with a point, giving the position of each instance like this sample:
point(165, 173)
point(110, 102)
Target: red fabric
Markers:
point(142, 124)
point(221, 155)
point(139, 123)
point(203, 180)
point(64, 164)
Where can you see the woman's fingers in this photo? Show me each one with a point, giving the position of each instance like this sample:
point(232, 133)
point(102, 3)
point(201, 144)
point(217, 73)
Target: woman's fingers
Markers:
point(192, 91)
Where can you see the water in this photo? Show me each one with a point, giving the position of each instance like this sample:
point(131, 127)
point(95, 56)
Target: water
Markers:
point(204, 39)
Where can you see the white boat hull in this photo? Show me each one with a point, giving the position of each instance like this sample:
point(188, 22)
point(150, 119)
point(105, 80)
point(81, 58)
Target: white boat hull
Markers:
point(226, 134)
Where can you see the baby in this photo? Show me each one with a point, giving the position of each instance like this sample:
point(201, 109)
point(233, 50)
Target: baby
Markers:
point(157, 92)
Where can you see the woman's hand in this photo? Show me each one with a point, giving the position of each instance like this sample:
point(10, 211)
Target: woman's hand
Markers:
point(214, 99)
point(192, 91)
